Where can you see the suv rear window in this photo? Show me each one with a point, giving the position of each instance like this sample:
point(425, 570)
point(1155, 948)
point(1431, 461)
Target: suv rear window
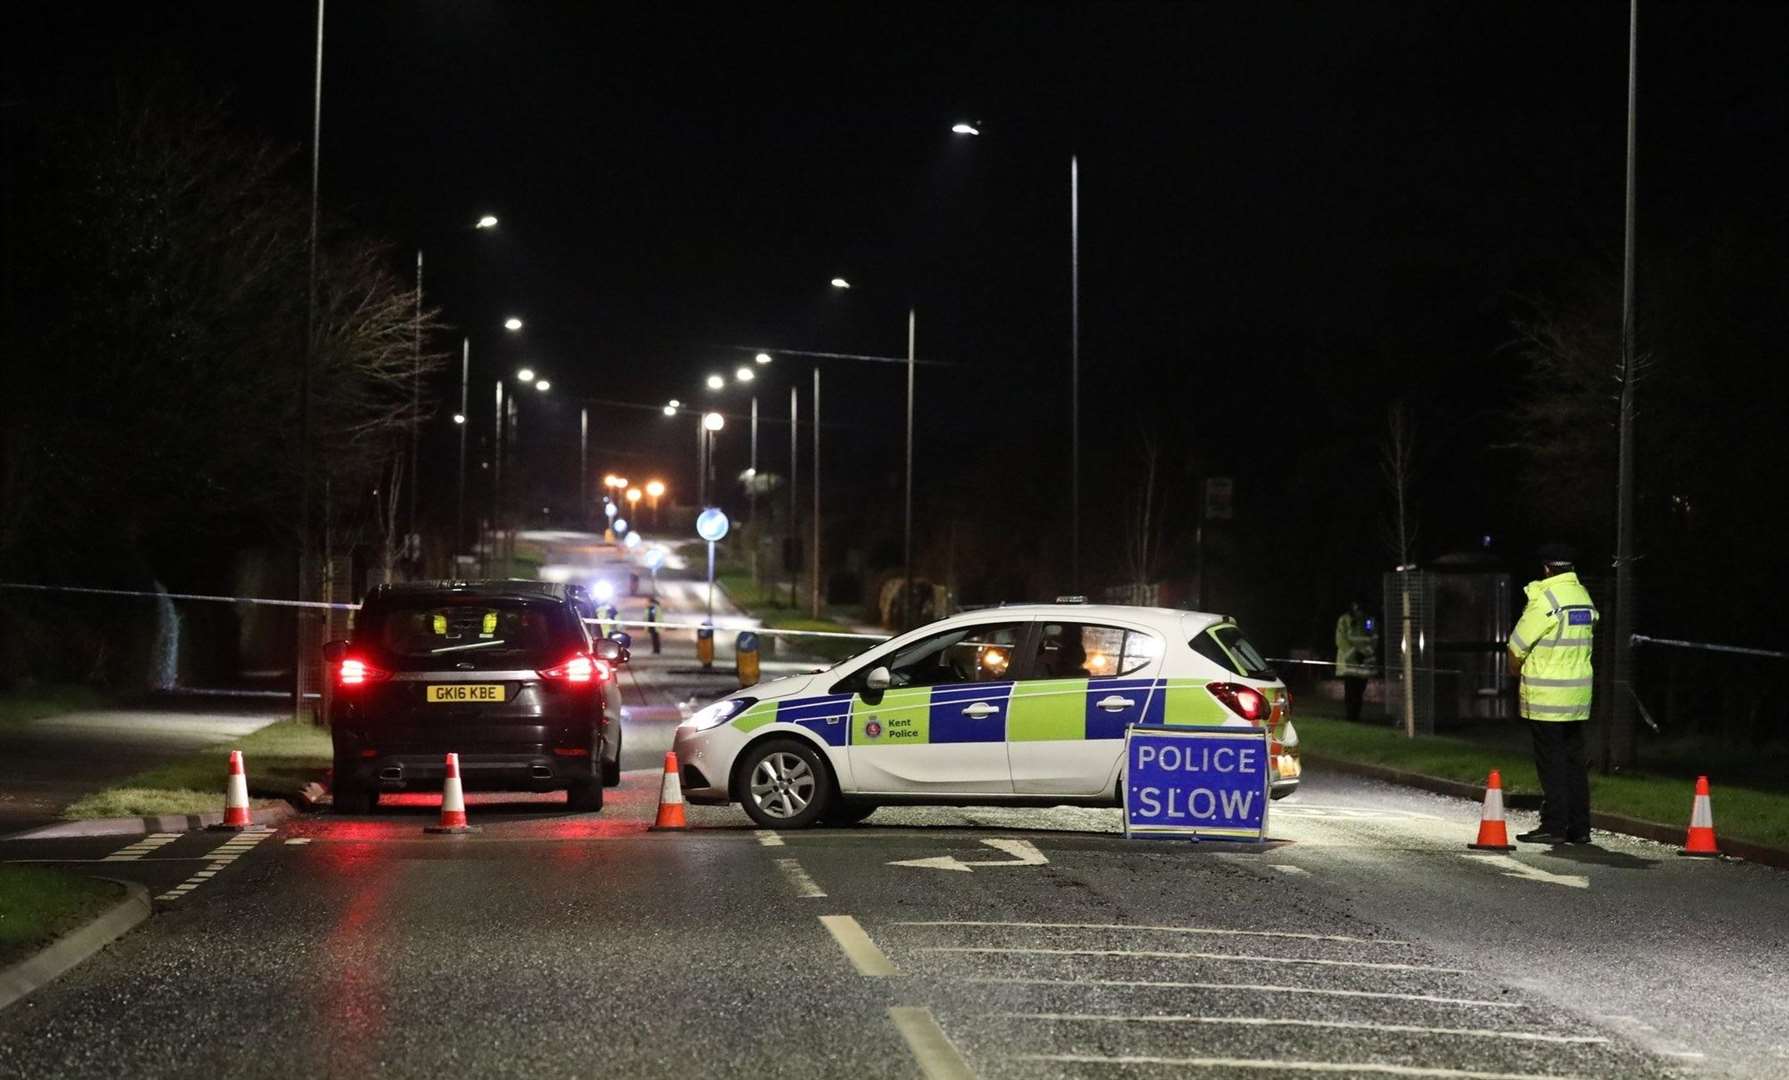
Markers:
point(1225, 646)
point(487, 632)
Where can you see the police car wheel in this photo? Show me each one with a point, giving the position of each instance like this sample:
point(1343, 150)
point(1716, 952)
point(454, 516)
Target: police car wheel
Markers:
point(785, 785)
point(848, 813)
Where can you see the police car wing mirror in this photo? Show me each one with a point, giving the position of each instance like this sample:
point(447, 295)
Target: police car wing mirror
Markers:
point(877, 680)
point(333, 651)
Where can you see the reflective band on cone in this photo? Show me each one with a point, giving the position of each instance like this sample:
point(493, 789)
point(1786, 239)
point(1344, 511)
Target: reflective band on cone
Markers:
point(453, 801)
point(1700, 839)
point(235, 797)
point(1493, 835)
point(670, 797)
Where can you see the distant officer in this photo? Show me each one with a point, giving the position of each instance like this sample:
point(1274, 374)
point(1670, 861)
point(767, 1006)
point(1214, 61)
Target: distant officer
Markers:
point(1354, 655)
point(1550, 650)
point(652, 617)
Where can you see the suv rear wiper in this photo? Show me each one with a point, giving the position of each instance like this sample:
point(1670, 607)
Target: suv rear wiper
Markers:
point(471, 645)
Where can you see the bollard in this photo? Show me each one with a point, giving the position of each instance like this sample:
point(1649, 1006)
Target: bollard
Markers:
point(705, 646)
point(745, 658)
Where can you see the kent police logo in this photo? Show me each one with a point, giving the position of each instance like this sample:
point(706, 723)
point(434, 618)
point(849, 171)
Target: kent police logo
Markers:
point(873, 728)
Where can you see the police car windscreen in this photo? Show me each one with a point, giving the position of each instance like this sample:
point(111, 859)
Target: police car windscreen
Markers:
point(469, 633)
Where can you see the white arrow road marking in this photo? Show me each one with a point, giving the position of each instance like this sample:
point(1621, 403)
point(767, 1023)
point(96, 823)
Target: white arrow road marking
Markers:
point(1512, 867)
point(1022, 852)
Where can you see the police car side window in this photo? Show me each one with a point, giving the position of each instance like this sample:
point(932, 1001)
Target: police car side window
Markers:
point(1080, 651)
point(964, 654)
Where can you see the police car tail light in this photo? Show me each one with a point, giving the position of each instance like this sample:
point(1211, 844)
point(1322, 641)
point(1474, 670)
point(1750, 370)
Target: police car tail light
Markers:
point(1244, 701)
point(719, 713)
point(580, 669)
point(353, 671)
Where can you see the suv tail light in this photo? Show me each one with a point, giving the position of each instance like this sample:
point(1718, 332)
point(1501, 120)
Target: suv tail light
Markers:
point(579, 669)
point(1244, 701)
point(353, 671)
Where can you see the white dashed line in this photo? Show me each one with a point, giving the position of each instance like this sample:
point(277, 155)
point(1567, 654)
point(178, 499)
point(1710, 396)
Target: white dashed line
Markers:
point(1259, 988)
point(859, 949)
point(768, 838)
point(1162, 930)
point(1344, 1025)
point(142, 847)
point(938, 1059)
point(1164, 955)
point(1268, 1065)
point(1287, 868)
point(225, 854)
point(805, 886)
point(298, 840)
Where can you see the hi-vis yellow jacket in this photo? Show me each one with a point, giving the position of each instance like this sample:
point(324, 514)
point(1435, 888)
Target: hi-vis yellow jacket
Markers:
point(1553, 641)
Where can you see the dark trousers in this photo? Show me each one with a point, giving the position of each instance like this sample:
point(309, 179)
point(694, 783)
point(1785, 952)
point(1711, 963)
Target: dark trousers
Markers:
point(1354, 688)
point(655, 643)
point(1565, 778)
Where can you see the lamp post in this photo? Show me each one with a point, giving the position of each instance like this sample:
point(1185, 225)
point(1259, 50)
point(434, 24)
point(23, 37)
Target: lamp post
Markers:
point(512, 429)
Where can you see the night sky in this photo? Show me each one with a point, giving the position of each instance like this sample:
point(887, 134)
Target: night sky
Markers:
point(1291, 214)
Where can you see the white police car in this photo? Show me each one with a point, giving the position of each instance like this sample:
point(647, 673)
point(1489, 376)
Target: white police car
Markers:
point(1023, 705)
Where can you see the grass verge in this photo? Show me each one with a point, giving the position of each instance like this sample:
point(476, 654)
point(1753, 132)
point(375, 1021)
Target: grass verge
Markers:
point(38, 904)
point(764, 604)
point(1742, 813)
point(281, 758)
point(43, 701)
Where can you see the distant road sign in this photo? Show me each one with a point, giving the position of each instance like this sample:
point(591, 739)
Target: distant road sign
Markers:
point(1220, 491)
point(712, 524)
point(1196, 781)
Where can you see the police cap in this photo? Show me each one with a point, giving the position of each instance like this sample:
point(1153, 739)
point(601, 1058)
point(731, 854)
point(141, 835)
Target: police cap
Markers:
point(1557, 555)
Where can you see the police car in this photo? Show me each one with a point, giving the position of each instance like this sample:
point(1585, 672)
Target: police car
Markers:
point(1023, 705)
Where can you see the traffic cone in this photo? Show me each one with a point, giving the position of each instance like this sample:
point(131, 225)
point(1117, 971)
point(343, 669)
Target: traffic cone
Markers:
point(1700, 840)
point(236, 816)
point(1493, 835)
point(670, 797)
point(453, 802)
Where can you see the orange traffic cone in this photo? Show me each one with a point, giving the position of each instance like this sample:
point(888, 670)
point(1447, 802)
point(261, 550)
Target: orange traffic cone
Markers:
point(236, 816)
point(1700, 840)
point(453, 802)
point(670, 797)
point(1493, 835)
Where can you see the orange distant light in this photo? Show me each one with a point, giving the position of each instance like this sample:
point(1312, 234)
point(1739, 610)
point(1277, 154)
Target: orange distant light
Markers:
point(633, 494)
point(655, 488)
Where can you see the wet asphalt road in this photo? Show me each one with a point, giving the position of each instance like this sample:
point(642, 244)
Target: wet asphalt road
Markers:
point(1367, 941)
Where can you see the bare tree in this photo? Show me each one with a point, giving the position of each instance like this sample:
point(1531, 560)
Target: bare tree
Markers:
point(1397, 464)
point(1143, 527)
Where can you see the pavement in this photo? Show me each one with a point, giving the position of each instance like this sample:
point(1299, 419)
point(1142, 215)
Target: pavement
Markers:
point(1364, 940)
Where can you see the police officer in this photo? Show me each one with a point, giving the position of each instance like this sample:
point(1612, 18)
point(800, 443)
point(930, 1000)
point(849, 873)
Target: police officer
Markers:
point(1550, 650)
point(1354, 656)
point(652, 617)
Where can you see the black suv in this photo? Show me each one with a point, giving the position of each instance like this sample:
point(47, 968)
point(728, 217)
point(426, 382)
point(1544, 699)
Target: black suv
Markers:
point(504, 673)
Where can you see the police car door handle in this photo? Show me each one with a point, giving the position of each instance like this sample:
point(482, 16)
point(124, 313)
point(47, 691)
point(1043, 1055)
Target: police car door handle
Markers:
point(1115, 703)
point(980, 710)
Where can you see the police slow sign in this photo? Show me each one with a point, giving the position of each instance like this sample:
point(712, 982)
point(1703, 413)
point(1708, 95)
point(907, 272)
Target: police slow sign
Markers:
point(1196, 781)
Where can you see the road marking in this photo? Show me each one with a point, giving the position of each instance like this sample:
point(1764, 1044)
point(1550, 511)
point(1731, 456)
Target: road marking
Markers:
point(1287, 868)
point(233, 848)
point(1346, 1025)
point(769, 839)
point(1291, 1066)
point(1262, 988)
point(1158, 929)
point(1148, 954)
point(1353, 813)
point(804, 885)
point(1023, 853)
point(142, 847)
point(859, 949)
point(931, 1047)
point(298, 840)
point(1512, 867)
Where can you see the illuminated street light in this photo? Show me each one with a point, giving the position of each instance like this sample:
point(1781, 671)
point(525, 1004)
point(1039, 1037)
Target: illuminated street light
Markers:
point(633, 495)
point(965, 129)
point(674, 403)
point(489, 221)
point(525, 374)
point(512, 323)
point(762, 358)
point(715, 382)
point(670, 410)
point(840, 283)
point(745, 374)
point(655, 488)
point(543, 385)
point(459, 418)
point(714, 421)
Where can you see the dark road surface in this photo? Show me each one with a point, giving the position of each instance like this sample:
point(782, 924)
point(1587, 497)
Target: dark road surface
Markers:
point(1366, 942)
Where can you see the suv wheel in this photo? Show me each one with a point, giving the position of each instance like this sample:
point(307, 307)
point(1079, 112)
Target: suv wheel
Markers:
point(586, 795)
point(784, 784)
point(612, 769)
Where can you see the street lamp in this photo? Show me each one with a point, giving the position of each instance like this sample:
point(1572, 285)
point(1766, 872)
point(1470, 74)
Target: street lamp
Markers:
point(655, 489)
point(489, 221)
point(543, 385)
point(745, 374)
point(670, 410)
point(840, 283)
point(459, 418)
point(715, 382)
point(714, 421)
point(525, 375)
point(962, 128)
point(762, 358)
point(512, 323)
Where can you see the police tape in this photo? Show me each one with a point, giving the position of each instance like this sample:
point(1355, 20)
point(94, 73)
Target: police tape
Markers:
point(761, 631)
point(1704, 646)
point(259, 600)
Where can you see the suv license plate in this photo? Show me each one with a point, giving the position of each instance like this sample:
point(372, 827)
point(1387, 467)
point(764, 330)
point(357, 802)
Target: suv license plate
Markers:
point(466, 692)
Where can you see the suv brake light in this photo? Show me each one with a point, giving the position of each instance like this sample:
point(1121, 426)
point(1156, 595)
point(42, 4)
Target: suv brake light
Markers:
point(353, 671)
point(579, 669)
point(1244, 701)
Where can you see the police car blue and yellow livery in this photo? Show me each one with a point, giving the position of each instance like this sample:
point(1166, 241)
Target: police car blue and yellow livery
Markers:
point(1014, 705)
